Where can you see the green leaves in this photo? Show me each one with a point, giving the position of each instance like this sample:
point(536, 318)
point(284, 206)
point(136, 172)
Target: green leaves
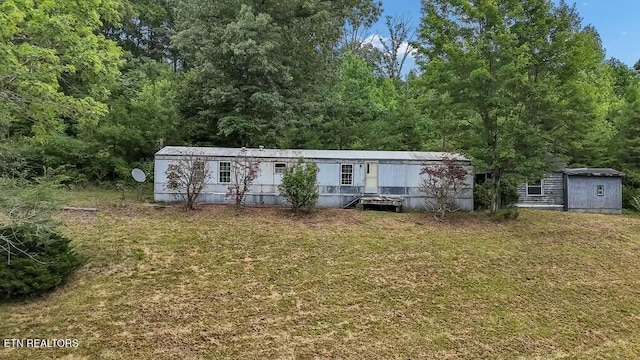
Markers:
point(522, 76)
point(300, 185)
point(260, 70)
point(247, 80)
point(53, 64)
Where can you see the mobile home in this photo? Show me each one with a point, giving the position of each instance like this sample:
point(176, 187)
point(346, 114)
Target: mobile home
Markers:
point(344, 175)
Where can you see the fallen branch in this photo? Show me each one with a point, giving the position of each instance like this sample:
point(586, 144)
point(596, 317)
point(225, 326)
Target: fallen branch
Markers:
point(70, 208)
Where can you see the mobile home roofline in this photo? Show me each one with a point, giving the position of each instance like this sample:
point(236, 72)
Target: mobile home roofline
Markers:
point(311, 154)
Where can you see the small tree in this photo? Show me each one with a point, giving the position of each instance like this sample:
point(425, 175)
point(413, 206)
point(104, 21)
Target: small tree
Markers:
point(300, 185)
point(444, 183)
point(188, 176)
point(34, 256)
point(244, 171)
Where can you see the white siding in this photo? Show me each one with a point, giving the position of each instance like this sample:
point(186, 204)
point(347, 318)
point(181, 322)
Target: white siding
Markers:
point(329, 174)
point(400, 178)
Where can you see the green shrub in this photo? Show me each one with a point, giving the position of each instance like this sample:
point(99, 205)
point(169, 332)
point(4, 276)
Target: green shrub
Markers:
point(509, 212)
point(508, 193)
point(636, 203)
point(34, 257)
point(18, 159)
point(482, 194)
point(300, 186)
point(629, 194)
point(34, 260)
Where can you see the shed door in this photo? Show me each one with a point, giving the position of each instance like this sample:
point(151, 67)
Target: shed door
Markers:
point(371, 177)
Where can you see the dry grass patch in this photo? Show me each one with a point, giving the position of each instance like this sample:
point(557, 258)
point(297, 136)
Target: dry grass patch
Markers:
point(162, 283)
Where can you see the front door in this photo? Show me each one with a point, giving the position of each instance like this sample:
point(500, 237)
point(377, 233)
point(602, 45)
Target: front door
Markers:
point(371, 178)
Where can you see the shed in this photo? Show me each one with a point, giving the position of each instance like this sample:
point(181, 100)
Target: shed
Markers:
point(592, 190)
point(344, 176)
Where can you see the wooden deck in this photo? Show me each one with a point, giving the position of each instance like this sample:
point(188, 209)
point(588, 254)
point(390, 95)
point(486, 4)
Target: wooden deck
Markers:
point(379, 201)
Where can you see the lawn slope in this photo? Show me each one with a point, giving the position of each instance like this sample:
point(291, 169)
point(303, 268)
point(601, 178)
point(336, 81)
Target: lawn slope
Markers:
point(164, 284)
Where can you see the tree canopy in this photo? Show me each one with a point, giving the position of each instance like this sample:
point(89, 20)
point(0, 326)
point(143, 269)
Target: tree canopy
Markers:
point(89, 89)
point(521, 76)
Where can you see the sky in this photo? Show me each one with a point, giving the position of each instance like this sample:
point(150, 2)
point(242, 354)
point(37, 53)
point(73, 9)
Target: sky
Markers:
point(617, 22)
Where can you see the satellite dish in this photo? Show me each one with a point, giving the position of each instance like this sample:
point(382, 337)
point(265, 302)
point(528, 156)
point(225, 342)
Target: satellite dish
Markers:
point(138, 175)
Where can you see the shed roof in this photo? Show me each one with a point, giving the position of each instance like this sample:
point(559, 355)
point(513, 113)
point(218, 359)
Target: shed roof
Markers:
point(593, 172)
point(311, 154)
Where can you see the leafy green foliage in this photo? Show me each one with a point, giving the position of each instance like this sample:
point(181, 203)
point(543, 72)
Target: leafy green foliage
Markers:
point(53, 66)
point(145, 29)
point(365, 112)
point(482, 194)
point(521, 77)
point(636, 202)
point(506, 213)
point(257, 69)
point(90, 89)
point(142, 113)
point(628, 139)
point(299, 185)
point(41, 261)
point(629, 196)
point(29, 201)
point(34, 257)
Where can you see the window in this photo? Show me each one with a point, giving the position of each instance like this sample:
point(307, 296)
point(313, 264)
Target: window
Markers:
point(225, 172)
point(279, 168)
point(534, 188)
point(600, 190)
point(481, 178)
point(346, 174)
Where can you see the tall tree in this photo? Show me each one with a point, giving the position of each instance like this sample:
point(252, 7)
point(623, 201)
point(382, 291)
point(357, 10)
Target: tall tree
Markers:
point(54, 67)
point(357, 37)
point(397, 46)
point(516, 73)
point(623, 76)
point(146, 29)
point(626, 145)
point(352, 106)
point(258, 68)
point(142, 113)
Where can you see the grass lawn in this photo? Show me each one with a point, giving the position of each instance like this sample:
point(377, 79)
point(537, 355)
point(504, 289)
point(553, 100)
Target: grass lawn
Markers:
point(164, 284)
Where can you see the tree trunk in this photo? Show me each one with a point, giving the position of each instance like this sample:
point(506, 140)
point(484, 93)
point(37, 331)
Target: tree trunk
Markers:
point(495, 190)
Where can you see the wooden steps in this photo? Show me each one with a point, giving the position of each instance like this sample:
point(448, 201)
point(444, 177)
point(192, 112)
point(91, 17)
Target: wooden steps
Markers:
point(380, 201)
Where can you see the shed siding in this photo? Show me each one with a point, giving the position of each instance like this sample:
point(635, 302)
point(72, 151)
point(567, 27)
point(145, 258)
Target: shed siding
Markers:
point(552, 193)
point(582, 194)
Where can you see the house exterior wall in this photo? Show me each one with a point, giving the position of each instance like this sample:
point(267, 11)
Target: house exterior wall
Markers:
point(397, 178)
point(582, 194)
point(552, 197)
point(575, 193)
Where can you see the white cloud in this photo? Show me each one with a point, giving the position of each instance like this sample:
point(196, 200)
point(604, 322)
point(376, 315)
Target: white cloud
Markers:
point(406, 47)
point(377, 41)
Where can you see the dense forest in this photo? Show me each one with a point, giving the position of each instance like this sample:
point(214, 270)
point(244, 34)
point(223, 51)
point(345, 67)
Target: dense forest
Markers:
point(90, 89)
